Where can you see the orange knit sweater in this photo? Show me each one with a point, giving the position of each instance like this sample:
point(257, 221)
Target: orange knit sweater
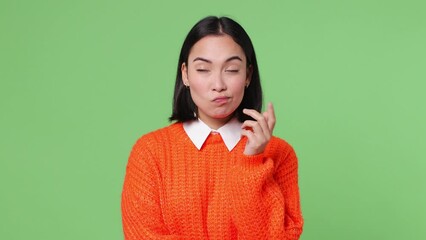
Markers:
point(172, 190)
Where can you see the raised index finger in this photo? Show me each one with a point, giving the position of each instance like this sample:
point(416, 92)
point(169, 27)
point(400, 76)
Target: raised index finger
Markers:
point(271, 116)
point(253, 113)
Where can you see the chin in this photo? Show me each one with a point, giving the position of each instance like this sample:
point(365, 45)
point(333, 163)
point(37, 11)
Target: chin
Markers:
point(222, 116)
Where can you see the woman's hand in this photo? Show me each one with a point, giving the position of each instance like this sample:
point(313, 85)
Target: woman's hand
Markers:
point(258, 132)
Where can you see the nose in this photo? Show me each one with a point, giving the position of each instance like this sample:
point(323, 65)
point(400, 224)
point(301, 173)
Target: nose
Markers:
point(218, 83)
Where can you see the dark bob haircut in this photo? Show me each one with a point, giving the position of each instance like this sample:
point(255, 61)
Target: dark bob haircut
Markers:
point(183, 105)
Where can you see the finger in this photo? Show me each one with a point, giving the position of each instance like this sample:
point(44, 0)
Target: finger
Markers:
point(260, 119)
point(260, 133)
point(253, 139)
point(253, 113)
point(249, 134)
point(265, 115)
point(252, 126)
point(253, 145)
point(271, 116)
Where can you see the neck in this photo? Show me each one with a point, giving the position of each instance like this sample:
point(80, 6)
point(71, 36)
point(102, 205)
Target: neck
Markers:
point(217, 122)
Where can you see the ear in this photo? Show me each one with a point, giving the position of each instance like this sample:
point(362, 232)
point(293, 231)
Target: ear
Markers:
point(249, 75)
point(184, 72)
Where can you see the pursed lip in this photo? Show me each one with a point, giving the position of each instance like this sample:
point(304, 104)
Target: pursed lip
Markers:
point(221, 99)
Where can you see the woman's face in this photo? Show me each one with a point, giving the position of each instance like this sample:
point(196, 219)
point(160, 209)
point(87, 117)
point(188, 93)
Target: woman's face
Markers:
point(217, 75)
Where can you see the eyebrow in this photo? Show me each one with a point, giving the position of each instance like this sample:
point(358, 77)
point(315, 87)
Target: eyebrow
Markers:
point(208, 61)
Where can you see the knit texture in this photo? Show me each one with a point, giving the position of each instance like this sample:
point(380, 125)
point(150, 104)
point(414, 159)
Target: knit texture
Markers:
point(172, 190)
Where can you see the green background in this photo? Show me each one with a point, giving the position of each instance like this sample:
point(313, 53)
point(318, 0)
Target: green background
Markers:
point(82, 80)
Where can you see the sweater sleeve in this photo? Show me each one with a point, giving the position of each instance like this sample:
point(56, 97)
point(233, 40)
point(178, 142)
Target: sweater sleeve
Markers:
point(264, 195)
point(140, 200)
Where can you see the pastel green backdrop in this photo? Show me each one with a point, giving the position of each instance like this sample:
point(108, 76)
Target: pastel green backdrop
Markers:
point(82, 80)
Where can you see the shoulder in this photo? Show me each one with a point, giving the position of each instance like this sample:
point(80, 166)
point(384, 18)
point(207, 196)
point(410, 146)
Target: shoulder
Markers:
point(158, 139)
point(280, 144)
point(159, 136)
point(279, 148)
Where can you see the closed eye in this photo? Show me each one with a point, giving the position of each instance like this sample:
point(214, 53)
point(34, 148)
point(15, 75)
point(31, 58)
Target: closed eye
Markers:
point(202, 70)
point(232, 70)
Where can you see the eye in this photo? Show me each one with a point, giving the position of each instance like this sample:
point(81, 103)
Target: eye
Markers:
point(232, 70)
point(202, 70)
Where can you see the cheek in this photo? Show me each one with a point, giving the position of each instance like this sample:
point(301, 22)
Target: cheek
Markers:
point(197, 83)
point(199, 93)
point(238, 87)
point(198, 88)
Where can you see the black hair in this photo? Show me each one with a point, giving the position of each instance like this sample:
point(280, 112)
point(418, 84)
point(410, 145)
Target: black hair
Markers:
point(183, 105)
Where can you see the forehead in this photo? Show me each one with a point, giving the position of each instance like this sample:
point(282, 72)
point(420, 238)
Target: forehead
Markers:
point(216, 48)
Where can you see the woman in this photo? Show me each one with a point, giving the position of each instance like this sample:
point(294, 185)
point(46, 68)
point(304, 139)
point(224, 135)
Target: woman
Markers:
point(217, 172)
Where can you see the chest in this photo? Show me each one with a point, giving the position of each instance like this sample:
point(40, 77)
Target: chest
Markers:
point(195, 191)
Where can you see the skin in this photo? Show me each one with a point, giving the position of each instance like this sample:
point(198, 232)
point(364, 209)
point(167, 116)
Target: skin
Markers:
point(217, 75)
point(258, 132)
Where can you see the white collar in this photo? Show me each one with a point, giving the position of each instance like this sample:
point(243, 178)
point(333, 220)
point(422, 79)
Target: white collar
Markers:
point(198, 132)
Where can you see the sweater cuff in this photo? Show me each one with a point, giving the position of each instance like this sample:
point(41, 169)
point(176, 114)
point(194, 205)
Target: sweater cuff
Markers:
point(250, 160)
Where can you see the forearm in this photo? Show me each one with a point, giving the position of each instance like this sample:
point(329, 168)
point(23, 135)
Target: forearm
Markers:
point(142, 216)
point(258, 202)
